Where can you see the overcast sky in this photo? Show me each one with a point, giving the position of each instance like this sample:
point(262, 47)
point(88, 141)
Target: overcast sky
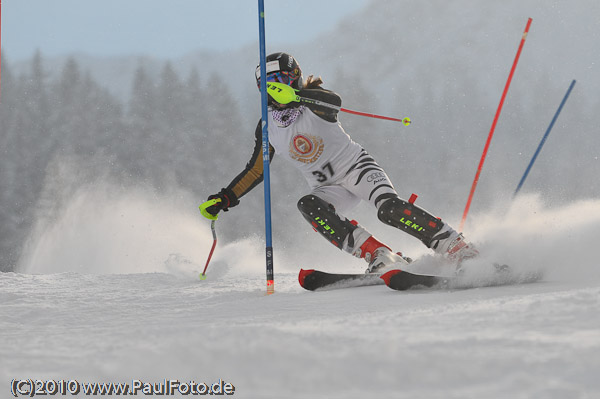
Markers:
point(159, 27)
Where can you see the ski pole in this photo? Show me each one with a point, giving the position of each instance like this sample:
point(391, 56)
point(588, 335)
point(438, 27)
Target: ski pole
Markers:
point(564, 100)
point(491, 134)
point(406, 121)
point(213, 219)
point(285, 94)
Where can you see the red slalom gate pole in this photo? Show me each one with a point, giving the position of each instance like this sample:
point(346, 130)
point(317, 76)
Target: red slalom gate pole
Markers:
point(489, 139)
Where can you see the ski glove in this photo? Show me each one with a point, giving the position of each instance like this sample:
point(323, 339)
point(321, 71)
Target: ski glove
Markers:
point(228, 200)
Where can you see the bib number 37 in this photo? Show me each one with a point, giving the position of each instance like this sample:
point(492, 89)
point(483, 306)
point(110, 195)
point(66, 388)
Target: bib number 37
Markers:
point(322, 176)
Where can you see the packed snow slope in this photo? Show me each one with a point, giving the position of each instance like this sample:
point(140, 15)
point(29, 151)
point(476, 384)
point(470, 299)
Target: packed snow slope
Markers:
point(109, 293)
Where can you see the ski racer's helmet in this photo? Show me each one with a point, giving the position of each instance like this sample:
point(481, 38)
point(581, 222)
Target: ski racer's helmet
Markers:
point(282, 68)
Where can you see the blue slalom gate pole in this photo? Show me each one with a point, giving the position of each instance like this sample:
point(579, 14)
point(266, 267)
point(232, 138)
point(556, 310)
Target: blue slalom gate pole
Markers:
point(265, 147)
point(564, 100)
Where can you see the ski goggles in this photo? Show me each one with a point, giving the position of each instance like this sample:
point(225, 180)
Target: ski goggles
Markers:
point(280, 77)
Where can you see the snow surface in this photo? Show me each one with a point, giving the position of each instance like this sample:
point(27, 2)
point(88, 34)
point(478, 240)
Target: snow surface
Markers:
point(113, 295)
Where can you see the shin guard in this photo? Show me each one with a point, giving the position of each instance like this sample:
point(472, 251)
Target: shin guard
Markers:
point(323, 218)
point(410, 218)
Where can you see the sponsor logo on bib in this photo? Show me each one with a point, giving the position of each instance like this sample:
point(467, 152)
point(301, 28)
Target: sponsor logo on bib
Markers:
point(305, 148)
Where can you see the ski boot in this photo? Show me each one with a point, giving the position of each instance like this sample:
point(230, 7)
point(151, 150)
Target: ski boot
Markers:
point(378, 255)
point(453, 247)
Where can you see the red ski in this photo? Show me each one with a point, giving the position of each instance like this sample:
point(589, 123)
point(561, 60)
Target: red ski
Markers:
point(402, 280)
point(314, 279)
point(397, 279)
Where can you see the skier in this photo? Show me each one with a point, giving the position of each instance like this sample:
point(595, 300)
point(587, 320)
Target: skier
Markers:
point(340, 174)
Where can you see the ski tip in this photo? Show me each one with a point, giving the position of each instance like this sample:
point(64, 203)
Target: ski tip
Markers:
point(388, 276)
point(302, 275)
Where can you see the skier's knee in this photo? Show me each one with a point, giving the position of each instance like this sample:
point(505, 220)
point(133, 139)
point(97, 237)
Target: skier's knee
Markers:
point(410, 218)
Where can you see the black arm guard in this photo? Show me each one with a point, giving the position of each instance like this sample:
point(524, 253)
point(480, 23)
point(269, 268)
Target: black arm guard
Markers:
point(327, 96)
